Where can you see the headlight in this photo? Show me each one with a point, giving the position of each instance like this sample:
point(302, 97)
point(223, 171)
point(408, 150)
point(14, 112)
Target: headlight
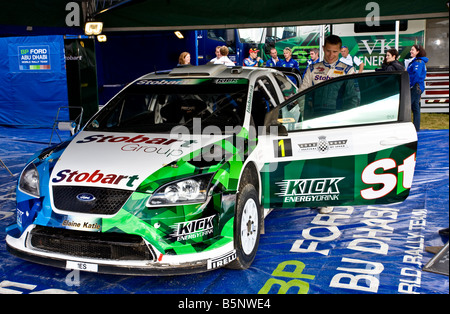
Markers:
point(29, 181)
point(187, 191)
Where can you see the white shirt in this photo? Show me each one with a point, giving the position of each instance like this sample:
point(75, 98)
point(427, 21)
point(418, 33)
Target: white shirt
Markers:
point(407, 62)
point(224, 60)
point(349, 60)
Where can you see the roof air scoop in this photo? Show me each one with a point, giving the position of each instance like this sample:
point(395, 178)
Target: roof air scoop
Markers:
point(201, 70)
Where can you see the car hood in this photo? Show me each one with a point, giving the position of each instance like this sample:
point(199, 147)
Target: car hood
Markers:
point(121, 160)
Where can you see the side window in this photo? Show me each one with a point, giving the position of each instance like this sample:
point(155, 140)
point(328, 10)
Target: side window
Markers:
point(344, 101)
point(288, 89)
point(217, 34)
point(226, 36)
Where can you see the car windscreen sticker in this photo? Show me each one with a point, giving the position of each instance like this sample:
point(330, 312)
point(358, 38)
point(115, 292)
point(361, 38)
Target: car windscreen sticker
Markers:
point(191, 81)
point(230, 81)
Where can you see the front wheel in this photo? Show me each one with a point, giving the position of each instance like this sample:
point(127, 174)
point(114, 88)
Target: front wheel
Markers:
point(247, 227)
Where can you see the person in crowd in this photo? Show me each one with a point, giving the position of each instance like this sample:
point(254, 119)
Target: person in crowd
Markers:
point(352, 61)
point(330, 67)
point(223, 51)
point(184, 59)
point(417, 71)
point(274, 61)
point(217, 52)
point(313, 58)
point(390, 62)
point(253, 60)
point(288, 61)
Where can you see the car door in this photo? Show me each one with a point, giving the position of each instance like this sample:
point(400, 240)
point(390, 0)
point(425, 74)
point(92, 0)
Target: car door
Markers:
point(345, 141)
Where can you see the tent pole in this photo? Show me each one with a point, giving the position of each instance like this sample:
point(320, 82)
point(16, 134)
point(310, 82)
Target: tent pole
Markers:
point(322, 41)
point(397, 31)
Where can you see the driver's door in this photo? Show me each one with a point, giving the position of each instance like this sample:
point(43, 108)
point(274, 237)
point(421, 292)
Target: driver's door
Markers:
point(349, 141)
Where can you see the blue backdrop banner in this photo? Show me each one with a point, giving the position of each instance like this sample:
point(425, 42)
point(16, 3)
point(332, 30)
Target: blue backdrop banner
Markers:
point(33, 82)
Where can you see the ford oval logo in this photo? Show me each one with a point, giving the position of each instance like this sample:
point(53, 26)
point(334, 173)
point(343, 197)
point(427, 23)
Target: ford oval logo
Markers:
point(86, 197)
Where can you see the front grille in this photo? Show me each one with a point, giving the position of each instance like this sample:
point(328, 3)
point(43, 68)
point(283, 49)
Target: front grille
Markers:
point(106, 202)
point(111, 246)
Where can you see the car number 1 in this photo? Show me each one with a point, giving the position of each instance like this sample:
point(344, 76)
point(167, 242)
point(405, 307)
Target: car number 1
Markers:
point(283, 148)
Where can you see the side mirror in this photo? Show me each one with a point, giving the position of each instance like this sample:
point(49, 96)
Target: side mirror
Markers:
point(67, 126)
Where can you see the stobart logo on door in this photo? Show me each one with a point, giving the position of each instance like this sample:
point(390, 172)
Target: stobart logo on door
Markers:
point(310, 190)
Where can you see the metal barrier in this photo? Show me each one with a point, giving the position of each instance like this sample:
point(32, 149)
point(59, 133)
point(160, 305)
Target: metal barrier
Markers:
point(435, 96)
point(66, 125)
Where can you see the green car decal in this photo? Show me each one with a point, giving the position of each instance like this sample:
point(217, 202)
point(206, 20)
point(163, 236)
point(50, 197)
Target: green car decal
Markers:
point(190, 228)
point(364, 179)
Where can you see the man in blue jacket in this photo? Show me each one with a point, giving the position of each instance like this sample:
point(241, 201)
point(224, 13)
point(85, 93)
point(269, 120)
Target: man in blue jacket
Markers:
point(417, 71)
point(273, 61)
point(288, 62)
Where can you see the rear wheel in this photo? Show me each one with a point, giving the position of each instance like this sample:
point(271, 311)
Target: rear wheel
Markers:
point(247, 227)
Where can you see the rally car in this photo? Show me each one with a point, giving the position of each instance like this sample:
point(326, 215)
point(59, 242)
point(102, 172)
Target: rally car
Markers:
point(177, 172)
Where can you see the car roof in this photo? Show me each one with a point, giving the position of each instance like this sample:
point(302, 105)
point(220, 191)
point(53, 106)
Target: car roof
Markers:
point(207, 71)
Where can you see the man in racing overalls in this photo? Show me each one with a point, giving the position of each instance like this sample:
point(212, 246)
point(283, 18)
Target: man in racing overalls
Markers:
point(253, 60)
point(328, 68)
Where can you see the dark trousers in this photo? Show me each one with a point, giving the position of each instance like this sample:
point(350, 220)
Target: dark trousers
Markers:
point(415, 105)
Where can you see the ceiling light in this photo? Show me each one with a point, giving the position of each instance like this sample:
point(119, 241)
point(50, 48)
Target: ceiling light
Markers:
point(93, 28)
point(101, 38)
point(179, 35)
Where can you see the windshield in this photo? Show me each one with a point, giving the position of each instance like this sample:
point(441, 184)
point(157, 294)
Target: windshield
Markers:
point(157, 106)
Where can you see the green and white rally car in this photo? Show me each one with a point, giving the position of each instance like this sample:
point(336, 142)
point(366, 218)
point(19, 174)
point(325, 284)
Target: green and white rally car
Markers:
point(176, 173)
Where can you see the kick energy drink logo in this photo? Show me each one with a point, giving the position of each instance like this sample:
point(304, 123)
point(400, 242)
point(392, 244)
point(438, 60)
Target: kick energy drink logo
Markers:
point(307, 190)
point(193, 229)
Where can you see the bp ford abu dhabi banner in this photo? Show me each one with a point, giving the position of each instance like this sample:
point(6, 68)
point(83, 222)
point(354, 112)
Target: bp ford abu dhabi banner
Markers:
point(36, 54)
point(34, 57)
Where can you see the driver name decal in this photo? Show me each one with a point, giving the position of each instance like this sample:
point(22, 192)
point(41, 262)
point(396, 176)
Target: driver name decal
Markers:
point(310, 190)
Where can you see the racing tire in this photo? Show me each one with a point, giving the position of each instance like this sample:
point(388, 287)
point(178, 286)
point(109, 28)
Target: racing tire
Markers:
point(247, 227)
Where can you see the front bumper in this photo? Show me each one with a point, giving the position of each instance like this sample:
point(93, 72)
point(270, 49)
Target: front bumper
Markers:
point(156, 265)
